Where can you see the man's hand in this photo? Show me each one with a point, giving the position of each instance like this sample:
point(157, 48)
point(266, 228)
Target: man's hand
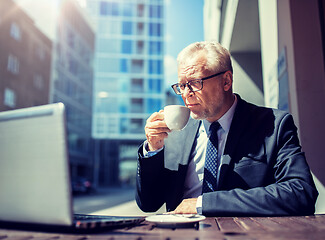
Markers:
point(156, 131)
point(187, 206)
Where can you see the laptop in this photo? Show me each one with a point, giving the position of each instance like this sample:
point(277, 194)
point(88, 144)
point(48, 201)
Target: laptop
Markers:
point(35, 183)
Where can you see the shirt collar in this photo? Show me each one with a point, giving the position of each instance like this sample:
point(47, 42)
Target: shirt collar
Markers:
point(225, 120)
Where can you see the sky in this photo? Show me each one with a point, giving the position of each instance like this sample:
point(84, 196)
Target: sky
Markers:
point(184, 25)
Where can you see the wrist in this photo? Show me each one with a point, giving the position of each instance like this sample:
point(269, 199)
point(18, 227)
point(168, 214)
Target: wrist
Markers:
point(147, 152)
point(151, 148)
point(199, 205)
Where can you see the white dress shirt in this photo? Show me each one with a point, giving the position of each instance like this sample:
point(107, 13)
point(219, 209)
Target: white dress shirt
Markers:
point(194, 178)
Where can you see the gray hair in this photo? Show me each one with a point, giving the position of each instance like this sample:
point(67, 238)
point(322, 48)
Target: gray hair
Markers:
point(218, 57)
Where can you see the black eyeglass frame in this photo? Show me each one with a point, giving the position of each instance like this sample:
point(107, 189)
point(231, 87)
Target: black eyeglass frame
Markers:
point(174, 86)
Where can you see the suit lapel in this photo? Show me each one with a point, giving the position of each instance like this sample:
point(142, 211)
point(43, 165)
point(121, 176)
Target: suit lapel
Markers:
point(236, 129)
point(179, 144)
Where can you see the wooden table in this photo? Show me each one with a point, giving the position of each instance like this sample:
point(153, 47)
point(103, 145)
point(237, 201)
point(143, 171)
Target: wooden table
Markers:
point(304, 227)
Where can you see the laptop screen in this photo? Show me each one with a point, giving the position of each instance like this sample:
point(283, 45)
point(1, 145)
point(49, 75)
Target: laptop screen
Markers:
point(34, 171)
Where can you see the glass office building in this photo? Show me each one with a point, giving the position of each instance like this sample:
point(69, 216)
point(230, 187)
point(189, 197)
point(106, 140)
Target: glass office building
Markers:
point(128, 81)
point(71, 82)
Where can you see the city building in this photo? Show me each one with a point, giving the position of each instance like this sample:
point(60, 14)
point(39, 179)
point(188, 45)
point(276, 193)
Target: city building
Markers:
point(278, 48)
point(25, 60)
point(128, 82)
point(67, 25)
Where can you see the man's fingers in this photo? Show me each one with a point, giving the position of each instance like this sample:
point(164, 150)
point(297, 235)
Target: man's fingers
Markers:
point(155, 135)
point(156, 116)
point(156, 130)
point(156, 127)
point(156, 124)
point(186, 206)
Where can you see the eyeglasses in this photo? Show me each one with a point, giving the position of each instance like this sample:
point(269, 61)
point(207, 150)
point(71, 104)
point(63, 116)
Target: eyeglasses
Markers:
point(194, 85)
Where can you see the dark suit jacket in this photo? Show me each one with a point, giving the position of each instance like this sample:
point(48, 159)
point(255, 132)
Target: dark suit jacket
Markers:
point(263, 170)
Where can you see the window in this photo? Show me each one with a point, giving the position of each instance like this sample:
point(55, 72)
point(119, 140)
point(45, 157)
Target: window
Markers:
point(13, 64)
point(128, 10)
point(124, 125)
point(140, 28)
point(154, 48)
point(71, 39)
point(38, 82)
point(115, 8)
point(108, 65)
point(140, 10)
point(152, 11)
point(15, 31)
point(108, 45)
point(158, 85)
point(106, 104)
point(124, 84)
point(124, 65)
point(72, 65)
point(103, 8)
point(140, 47)
point(103, 84)
point(153, 105)
point(155, 67)
point(136, 126)
point(40, 51)
point(126, 46)
point(137, 85)
point(108, 26)
point(158, 104)
point(71, 89)
point(137, 105)
point(151, 85)
point(155, 29)
point(127, 28)
point(154, 85)
point(99, 124)
point(155, 11)
point(137, 66)
point(159, 11)
point(10, 98)
point(113, 123)
point(159, 65)
point(123, 105)
point(109, 8)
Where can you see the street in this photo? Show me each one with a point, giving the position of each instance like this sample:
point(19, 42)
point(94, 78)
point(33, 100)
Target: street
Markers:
point(117, 201)
point(102, 198)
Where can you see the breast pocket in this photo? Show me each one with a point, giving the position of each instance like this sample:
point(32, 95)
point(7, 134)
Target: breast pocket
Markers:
point(252, 170)
point(250, 160)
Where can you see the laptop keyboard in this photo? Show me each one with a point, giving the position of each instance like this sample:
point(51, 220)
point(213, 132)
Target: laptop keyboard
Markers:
point(80, 217)
point(96, 221)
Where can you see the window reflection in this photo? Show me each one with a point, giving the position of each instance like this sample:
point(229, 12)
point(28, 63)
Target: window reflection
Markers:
point(126, 46)
point(10, 98)
point(127, 28)
point(13, 64)
point(106, 67)
point(15, 31)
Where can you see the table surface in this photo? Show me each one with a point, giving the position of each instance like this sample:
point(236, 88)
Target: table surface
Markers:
point(302, 227)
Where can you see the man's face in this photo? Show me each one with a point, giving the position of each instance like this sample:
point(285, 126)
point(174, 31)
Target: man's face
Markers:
point(210, 102)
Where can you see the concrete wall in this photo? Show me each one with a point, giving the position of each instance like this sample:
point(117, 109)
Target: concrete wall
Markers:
point(300, 33)
point(248, 76)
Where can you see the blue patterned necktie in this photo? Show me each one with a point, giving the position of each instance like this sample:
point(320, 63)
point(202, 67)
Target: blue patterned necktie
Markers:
point(211, 161)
